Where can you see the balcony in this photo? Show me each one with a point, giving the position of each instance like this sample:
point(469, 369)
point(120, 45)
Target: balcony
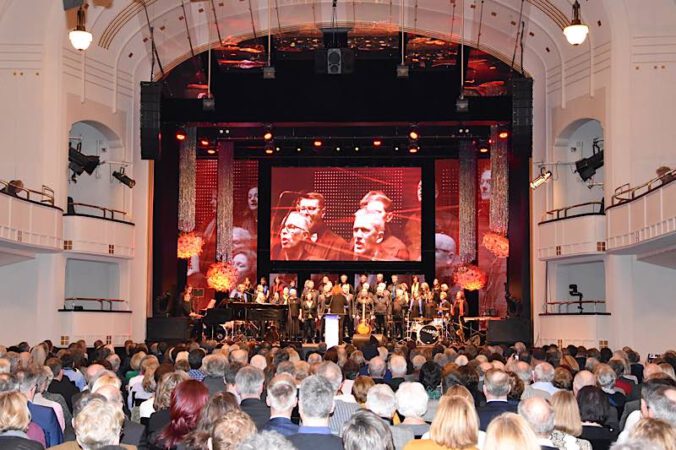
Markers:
point(29, 223)
point(101, 233)
point(642, 221)
point(573, 231)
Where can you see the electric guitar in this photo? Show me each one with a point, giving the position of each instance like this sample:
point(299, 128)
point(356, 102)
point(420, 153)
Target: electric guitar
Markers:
point(363, 328)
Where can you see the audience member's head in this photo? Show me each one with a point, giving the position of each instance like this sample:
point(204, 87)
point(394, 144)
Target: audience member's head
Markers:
point(455, 423)
point(315, 400)
point(249, 382)
point(658, 400)
point(539, 415)
point(655, 431)
point(281, 395)
point(187, 401)
point(398, 366)
point(165, 387)
point(593, 404)
point(231, 430)
point(430, 376)
point(365, 430)
point(331, 371)
point(381, 400)
point(411, 399)
point(361, 387)
point(265, 440)
point(98, 423)
point(510, 431)
point(583, 378)
point(377, 367)
point(496, 384)
point(543, 372)
point(566, 413)
point(218, 406)
point(14, 413)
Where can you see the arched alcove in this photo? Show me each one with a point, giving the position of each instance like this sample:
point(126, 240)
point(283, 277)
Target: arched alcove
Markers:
point(577, 142)
point(100, 188)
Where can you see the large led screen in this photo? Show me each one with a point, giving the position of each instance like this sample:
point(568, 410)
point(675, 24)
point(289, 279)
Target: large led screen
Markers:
point(345, 214)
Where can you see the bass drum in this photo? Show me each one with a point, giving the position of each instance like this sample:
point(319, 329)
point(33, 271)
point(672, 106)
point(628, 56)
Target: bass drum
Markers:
point(428, 335)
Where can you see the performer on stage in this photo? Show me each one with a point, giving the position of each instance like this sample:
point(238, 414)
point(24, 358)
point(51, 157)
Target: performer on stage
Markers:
point(393, 286)
point(326, 245)
point(190, 310)
point(415, 284)
point(293, 323)
point(416, 306)
point(381, 307)
point(460, 309)
point(308, 315)
point(349, 308)
point(399, 310)
point(430, 306)
point(368, 233)
point(344, 282)
point(338, 304)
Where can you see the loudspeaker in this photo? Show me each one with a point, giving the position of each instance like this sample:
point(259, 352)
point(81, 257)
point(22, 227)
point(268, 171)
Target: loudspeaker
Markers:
point(508, 331)
point(151, 98)
point(334, 61)
point(167, 329)
point(359, 340)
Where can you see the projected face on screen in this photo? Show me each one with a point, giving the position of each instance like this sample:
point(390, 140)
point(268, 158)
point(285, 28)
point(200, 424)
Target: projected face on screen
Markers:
point(351, 214)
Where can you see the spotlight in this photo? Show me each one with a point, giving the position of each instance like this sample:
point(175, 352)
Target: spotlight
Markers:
point(337, 149)
point(576, 32)
point(269, 148)
point(545, 175)
point(503, 135)
point(413, 133)
point(267, 135)
point(586, 167)
point(123, 178)
point(377, 142)
point(462, 104)
point(317, 143)
point(80, 38)
point(298, 149)
point(204, 142)
point(413, 148)
point(208, 104)
point(181, 135)
point(211, 151)
point(402, 71)
point(269, 73)
point(483, 149)
point(356, 149)
point(79, 163)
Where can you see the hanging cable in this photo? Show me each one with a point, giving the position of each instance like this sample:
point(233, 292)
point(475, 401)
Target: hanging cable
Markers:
point(155, 56)
point(403, 42)
point(452, 18)
point(518, 31)
point(269, 35)
point(218, 29)
point(187, 30)
point(462, 50)
point(481, 18)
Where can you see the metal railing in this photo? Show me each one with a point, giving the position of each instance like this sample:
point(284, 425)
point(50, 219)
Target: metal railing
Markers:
point(564, 213)
point(567, 304)
point(626, 193)
point(103, 210)
point(46, 195)
point(101, 301)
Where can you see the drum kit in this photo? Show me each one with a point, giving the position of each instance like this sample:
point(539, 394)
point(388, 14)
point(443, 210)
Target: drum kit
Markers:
point(432, 331)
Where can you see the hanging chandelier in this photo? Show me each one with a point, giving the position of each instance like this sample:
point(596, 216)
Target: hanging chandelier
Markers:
point(80, 38)
point(576, 32)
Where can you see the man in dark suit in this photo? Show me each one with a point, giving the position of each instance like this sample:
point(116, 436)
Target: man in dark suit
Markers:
point(540, 417)
point(496, 388)
point(44, 416)
point(61, 384)
point(249, 386)
point(316, 405)
point(282, 400)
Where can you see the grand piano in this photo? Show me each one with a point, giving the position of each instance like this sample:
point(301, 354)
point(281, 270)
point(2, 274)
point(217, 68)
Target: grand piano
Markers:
point(250, 313)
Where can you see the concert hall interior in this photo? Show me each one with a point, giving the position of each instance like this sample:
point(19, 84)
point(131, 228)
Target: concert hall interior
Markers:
point(517, 187)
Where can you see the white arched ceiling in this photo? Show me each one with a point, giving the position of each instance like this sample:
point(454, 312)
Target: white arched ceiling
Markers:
point(121, 30)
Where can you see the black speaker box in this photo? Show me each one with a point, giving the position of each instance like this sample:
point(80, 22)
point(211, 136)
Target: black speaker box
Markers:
point(151, 99)
point(167, 329)
point(508, 331)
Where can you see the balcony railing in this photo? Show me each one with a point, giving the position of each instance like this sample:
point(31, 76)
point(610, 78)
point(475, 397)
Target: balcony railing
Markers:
point(106, 213)
point(626, 193)
point(46, 196)
point(581, 209)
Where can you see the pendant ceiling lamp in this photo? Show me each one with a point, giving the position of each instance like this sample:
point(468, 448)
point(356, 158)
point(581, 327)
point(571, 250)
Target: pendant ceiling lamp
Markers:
point(80, 38)
point(576, 32)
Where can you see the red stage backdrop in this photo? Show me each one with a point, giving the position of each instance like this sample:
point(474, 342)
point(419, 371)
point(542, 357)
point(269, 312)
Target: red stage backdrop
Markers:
point(345, 214)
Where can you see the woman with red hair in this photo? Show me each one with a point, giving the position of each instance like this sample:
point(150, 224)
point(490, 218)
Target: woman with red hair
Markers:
point(187, 401)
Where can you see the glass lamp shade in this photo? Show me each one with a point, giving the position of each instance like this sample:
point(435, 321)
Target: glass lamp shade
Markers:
point(80, 39)
point(576, 33)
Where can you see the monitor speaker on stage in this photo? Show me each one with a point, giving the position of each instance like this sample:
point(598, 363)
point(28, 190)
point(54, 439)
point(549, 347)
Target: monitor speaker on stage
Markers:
point(151, 99)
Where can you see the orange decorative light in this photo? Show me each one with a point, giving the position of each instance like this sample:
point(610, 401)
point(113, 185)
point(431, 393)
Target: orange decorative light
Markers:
point(317, 143)
point(221, 276)
point(503, 135)
point(189, 245)
point(180, 135)
point(496, 244)
point(377, 142)
point(470, 277)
